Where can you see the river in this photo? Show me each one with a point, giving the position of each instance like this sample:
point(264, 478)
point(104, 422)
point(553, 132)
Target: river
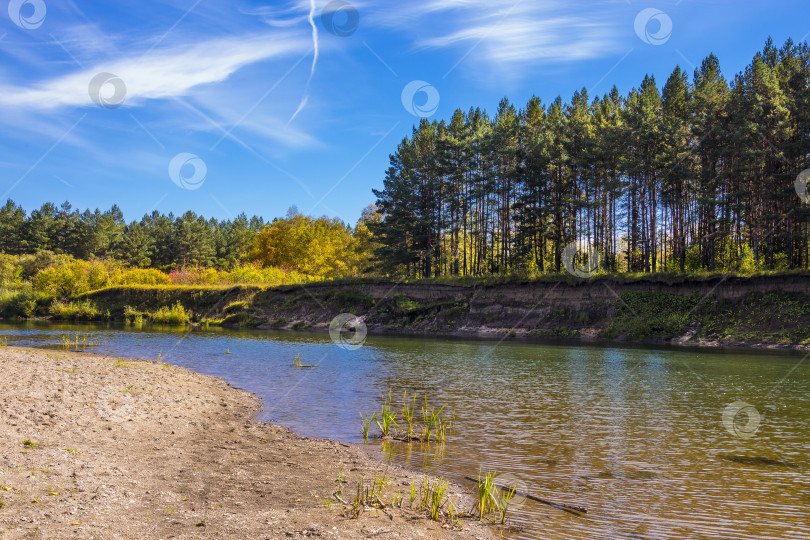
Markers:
point(655, 443)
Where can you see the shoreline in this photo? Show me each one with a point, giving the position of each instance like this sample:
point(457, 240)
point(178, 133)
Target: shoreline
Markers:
point(583, 338)
point(586, 339)
point(102, 447)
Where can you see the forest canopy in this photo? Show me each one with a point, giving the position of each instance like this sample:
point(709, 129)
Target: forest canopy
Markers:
point(694, 175)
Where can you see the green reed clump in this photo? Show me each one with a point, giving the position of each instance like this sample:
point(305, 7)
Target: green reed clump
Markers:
point(442, 426)
point(424, 496)
point(487, 499)
point(297, 362)
point(368, 495)
point(387, 418)
point(506, 497)
point(451, 512)
point(437, 491)
point(434, 421)
point(77, 340)
point(408, 412)
point(367, 420)
point(493, 502)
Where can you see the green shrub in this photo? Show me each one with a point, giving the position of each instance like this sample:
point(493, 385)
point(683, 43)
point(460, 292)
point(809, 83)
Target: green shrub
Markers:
point(83, 310)
point(69, 277)
point(175, 316)
point(141, 276)
point(10, 270)
point(19, 303)
point(134, 316)
point(30, 265)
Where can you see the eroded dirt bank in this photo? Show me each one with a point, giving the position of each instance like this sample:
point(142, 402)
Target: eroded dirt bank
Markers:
point(99, 447)
point(763, 311)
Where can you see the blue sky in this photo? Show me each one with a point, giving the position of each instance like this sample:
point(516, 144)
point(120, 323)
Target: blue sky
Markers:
point(229, 106)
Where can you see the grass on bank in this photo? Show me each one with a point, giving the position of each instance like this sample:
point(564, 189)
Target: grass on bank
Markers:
point(175, 315)
point(773, 317)
point(82, 310)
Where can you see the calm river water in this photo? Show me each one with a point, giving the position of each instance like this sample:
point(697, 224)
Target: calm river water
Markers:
point(637, 436)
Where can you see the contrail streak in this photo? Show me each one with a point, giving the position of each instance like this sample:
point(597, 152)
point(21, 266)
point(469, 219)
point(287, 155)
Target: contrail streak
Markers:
point(305, 97)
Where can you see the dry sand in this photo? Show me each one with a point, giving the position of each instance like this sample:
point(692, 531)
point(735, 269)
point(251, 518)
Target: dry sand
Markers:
point(139, 449)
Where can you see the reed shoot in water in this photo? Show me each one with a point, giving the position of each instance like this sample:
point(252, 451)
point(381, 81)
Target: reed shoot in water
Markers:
point(367, 420)
point(506, 496)
point(387, 418)
point(408, 412)
point(487, 498)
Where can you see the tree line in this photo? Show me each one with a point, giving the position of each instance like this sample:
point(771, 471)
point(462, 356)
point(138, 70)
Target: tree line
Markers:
point(322, 247)
point(696, 175)
point(157, 240)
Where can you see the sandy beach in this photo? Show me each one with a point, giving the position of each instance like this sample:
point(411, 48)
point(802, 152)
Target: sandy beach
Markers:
point(100, 447)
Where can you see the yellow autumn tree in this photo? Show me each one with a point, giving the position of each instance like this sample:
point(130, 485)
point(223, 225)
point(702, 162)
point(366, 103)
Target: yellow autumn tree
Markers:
point(317, 247)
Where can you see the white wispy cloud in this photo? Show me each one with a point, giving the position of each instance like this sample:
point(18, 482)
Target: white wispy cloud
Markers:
point(508, 33)
point(159, 74)
point(517, 40)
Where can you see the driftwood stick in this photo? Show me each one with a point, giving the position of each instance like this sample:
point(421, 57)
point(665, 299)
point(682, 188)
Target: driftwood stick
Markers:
point(571, 509)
